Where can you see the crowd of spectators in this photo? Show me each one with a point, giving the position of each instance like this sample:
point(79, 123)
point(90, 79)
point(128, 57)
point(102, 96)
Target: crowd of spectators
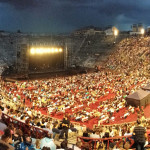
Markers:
point(80, 97)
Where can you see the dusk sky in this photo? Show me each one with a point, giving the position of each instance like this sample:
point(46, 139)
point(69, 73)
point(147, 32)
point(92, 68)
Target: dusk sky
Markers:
point(59, 16)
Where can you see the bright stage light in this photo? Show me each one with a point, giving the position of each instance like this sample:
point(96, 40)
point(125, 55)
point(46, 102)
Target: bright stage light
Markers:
point(48, 50)
point(60, 50)
point(52, 50)
point(37, 50)
point(42, 50)
point(32, 51)
point(56, 49)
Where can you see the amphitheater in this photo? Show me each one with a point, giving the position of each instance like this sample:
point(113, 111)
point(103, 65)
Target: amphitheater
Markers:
point(91, 85)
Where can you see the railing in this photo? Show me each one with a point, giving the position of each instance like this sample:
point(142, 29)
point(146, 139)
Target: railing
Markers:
point(27, 129)
point(93, 143)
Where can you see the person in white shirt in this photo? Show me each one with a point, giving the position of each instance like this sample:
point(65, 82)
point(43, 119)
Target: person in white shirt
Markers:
point(95, 134)
point(29, 112)
point(15, 99)
point(48, 142)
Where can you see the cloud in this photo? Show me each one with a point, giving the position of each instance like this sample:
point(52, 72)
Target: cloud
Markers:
point(64, 15)
point(20, 4)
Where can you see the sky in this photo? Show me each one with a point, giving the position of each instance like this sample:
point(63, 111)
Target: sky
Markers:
point(64, 16)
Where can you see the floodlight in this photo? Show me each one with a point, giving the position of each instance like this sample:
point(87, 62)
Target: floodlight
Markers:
point(60, 50)
point(115, 32)
point(56, 49)
point(52, 50)
point(44, 50)
point(32, 51)
point(142, 31)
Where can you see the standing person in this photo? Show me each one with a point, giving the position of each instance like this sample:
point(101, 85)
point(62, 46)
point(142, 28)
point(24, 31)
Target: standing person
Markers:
point(139, 134)
point(65, 127)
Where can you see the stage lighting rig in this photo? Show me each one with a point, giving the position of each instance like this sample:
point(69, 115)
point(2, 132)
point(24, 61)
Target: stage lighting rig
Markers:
point(45, 50)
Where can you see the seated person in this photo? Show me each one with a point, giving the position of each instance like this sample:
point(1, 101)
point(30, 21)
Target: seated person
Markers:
point(6, 139)
point(55, 128)
point(85, 134)
point(3, 146)
point(26, 144)
point(48, 142)
point(73, 129)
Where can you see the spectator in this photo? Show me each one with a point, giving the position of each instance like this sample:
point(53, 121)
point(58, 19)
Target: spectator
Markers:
point(17, 138)
point(6, 139)
point(55, 129)
point(48, 128)
point(38, 144)
point(64, 145)
point(65, 127)
point(2, 126)
point(95, 134)
point(140, 135)
point(46, 148)
point(48, 142)
point(72, 128)
point(26, 144)
point(4, 147)
point(86, 134)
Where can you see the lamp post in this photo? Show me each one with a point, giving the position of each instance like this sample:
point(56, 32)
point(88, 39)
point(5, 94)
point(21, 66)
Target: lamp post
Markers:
point(142, 31)
point(115, 34)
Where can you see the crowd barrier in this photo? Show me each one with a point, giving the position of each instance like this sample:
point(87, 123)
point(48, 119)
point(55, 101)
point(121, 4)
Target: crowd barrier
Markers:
point(91, 143)
point(106, 143)
point(27, 129)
